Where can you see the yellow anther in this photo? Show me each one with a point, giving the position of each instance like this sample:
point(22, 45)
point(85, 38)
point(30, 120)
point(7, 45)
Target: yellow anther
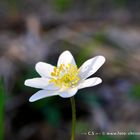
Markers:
point(53, 74)
point(55, 68)
point(65, 76)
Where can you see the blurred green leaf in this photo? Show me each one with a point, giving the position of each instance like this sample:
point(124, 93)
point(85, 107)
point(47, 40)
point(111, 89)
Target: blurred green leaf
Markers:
point(82, 126)
point(13, 6)
point(46, 102)
point(53, 115)
point(100, 38)
point(88, 97)
point(104, 138)
point(121, 3)
point(136, 91)
point(50, 108)
point(1, 111)
point(86, 52)
point(132, 137)
point(61, 5)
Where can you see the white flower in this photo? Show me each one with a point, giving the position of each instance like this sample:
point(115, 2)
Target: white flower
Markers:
point(65, 79)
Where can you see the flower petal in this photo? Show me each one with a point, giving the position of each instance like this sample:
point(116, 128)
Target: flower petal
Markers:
point(42, 83)
point(42, 94)
point(90, 82)
point(68, 93)
point(90, 67)
point(44, 69)
point(66, 58)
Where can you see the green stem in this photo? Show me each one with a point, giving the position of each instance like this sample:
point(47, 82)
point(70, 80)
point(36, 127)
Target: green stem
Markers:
point(73, 118)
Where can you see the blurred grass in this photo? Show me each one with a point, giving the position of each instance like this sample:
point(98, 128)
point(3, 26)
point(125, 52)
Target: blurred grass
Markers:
point(1, 111)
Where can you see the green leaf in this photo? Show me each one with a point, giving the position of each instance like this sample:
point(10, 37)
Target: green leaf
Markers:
point(136, 91)
point(53, 116)
point(82, 126)
point(1, 110)
point(61, 5)
point(104, 138)
point(121, 3)
point(132, 137)
point(50, 108)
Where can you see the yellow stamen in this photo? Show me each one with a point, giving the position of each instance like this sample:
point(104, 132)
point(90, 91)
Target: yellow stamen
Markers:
point(65, 76)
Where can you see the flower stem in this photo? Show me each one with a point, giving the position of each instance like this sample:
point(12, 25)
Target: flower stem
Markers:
point(73, 118)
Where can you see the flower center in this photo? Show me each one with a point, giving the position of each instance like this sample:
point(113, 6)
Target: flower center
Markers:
point(65, 76)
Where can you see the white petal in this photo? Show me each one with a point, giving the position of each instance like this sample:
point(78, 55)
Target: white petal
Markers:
point(42, 94)
point(68, 93)
point(44, 69)
point(66, 58)
point(90, 82)
point(42, 83)
point(91, 66)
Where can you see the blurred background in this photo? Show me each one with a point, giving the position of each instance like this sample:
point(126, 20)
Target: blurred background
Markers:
point(35, 30)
